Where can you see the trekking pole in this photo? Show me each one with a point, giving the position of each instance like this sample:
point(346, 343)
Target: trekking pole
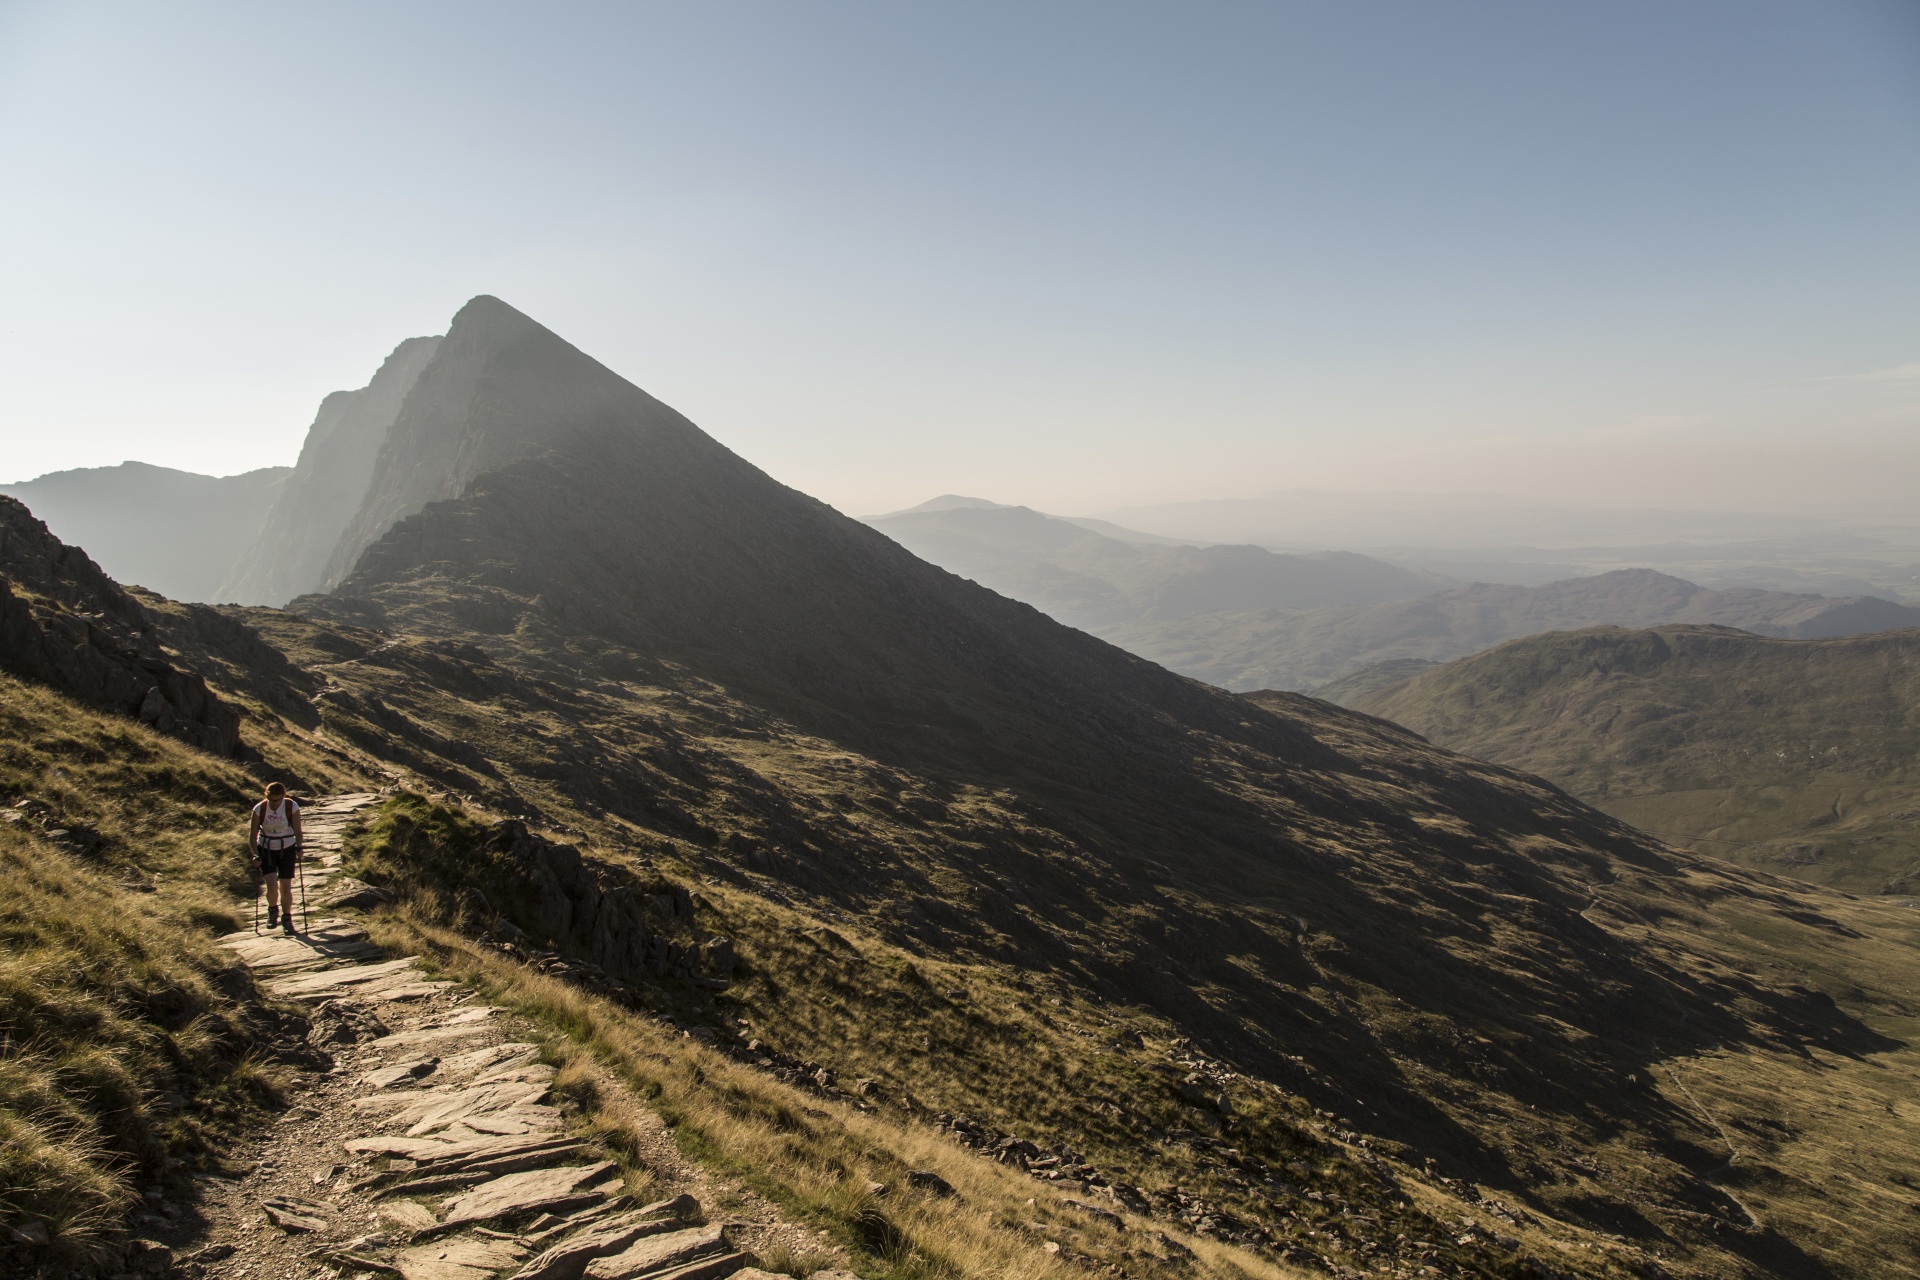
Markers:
point(259, 882)
point(300, 869)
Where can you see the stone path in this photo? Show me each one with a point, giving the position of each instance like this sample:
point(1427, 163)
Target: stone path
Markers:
point(434, 1148)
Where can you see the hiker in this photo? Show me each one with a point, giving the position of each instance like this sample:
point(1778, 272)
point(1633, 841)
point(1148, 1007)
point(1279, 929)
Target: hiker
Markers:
point(274, 836)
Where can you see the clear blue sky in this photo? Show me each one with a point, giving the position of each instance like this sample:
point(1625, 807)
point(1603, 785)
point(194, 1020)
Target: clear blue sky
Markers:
point(1075, 255)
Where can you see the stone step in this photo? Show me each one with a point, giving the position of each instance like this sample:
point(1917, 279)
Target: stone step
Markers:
point(339, 980)
point(516, 1194)
point(660, 1254)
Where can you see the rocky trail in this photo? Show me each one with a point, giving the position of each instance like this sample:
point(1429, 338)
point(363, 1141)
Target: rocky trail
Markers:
point(427, 1143)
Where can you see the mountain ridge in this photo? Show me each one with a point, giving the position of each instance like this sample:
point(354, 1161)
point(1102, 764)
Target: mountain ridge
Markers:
point(1028, 795)
point(1308, 648)
point(175, 532)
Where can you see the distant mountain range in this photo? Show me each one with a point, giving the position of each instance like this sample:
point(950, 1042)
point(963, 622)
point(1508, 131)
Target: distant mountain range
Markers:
point(1097, 576)
point(1308, 648)
point(1799, 756)
point(1326, 517)
point(1244, 618)
point(170, 531)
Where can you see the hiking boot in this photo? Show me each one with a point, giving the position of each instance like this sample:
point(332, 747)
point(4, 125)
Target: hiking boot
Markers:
point(289, 923)
point(273, 917)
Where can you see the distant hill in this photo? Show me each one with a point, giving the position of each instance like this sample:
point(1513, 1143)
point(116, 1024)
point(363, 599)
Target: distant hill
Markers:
point(1798, 756)
point(1309, 648)
point(1349, 689)
point(174, 532)
point(1100, 577)
point(1327, 517)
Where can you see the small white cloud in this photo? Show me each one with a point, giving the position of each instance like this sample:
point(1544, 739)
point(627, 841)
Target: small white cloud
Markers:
point(1908, 372)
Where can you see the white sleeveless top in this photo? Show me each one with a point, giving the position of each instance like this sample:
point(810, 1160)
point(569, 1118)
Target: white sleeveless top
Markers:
point(277, 824)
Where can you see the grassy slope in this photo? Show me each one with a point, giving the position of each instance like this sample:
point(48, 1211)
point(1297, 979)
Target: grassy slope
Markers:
point(935, 1038)
point(940, 886)
point(127, 1040)
point(677, 773)
point(1800, 756)
point(819, 1159)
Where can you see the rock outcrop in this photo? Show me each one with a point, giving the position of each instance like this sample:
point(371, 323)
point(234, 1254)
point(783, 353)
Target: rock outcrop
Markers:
point(290, 553)
point(625, 930)
point(65, 623)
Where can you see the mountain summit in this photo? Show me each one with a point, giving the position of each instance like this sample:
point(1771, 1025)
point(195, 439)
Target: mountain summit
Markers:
point(439, 413)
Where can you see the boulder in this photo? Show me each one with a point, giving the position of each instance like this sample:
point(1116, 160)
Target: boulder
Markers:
point(149, 1257)
point(928, 1180)
point(1094, 1211)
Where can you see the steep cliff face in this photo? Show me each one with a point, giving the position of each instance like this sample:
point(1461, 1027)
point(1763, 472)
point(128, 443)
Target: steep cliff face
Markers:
point(499, 388)
point(65, 623)
point(289, 555)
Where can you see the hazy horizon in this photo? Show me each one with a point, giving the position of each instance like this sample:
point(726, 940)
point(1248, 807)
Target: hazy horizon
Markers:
point(1082, 258)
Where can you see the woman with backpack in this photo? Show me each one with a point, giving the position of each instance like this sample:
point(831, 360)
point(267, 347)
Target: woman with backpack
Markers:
point(274, 836)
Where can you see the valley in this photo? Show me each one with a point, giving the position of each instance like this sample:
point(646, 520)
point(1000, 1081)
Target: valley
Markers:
point(1242, 617)
point(1795, 756)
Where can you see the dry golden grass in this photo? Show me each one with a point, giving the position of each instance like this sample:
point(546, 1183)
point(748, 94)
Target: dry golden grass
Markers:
point(813, 1157)
point(124, 1032)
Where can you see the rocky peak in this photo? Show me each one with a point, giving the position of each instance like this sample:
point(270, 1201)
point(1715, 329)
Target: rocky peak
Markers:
point(500, 387)
point(289, 555)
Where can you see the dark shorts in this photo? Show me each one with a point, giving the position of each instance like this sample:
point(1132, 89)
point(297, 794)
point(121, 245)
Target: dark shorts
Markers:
point(278, 862)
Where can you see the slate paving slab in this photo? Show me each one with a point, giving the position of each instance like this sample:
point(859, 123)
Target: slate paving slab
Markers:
point(334, 981)
point(466, 1258)
point(659, 1253)
point(407, 1215)
point(568, 1259)
point(518, 1193)
point(718, 1268)
point(401, 1073)
point(292, 1213)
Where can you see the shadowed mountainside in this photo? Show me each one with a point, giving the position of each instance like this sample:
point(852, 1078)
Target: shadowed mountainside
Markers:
point(1308, 648)
point(170, 531)
point(66, 624)
point(1801, 756)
